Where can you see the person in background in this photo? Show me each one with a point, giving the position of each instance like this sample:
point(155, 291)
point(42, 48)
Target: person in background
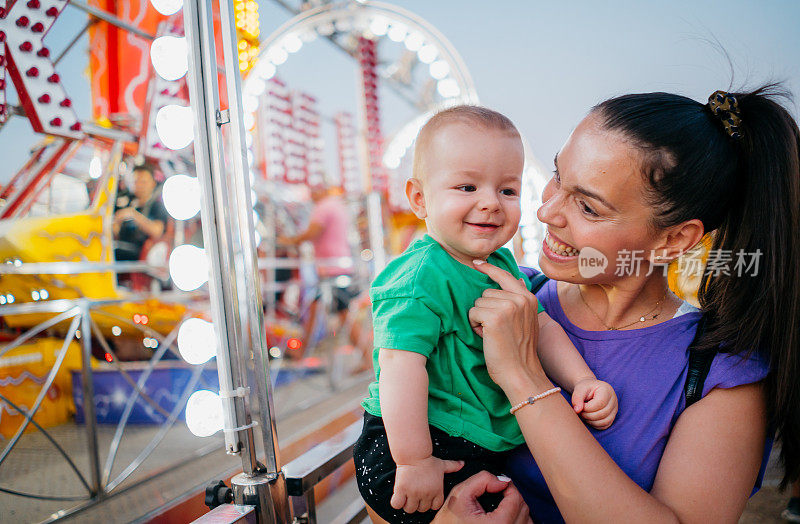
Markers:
point(327, 232)
point(145, 217)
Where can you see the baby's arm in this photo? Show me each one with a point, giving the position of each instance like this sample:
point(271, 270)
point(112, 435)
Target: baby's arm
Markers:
point(403, 386)
point(593, 399)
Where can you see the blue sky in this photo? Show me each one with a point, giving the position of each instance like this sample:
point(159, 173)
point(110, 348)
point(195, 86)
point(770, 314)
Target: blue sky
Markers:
point(543, 63)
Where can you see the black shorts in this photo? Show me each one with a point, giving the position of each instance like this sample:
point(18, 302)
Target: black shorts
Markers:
point(375, 469)
point(341, 296)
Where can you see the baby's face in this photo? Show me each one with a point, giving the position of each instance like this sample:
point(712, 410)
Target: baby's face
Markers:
point(471, 186)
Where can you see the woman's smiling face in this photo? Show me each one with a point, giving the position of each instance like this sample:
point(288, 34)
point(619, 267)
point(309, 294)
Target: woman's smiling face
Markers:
point(596, 199)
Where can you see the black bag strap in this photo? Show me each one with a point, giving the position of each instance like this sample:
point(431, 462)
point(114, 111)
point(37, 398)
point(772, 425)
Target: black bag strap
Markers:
point(699, 361)
point(699, 365)
point(537, 281)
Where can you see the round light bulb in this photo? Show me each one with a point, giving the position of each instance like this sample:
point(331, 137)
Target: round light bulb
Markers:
point(379, 26)
point(181, 196)
point(170, 57)
point(292, 43)
point(414, 41)
point(427, 53)
point(265, 70)
point(95, 168)
point(197, 341)
point(277, 55)
point(397, 32)
point(448, 88)
point(254, 89)
point(250, 104)
point(326, 29)
point(188, 267)
point(439, 69)
point(204, 413)
point(167, 7)
point(175, 126)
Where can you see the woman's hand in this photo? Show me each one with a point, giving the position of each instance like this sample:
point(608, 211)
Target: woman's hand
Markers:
point(506, 319)
point(462, 504)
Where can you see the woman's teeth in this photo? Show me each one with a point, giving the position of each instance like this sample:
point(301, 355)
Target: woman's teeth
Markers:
point(559, 248)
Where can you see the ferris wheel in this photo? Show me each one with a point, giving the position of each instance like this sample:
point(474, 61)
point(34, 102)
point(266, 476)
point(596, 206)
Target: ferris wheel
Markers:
point(429, 73)
point(424, 69)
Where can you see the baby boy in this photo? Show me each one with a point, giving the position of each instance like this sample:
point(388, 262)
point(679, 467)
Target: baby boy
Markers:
point(433, 416)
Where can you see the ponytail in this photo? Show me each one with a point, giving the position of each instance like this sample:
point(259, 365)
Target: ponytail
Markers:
point(762, 310)
point(745, 187)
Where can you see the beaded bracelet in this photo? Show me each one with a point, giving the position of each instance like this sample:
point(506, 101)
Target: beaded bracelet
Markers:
point(533, 399)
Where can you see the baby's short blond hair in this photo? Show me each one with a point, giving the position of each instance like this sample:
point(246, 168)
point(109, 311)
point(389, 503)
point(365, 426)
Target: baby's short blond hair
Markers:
point(476, 116)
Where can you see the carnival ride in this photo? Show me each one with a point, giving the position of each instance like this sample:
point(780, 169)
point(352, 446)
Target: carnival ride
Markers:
point(104, 373)
point(86, 368)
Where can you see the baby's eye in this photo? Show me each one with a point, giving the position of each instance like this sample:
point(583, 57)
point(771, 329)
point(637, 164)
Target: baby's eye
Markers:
point(508, 192)
point(469, 188)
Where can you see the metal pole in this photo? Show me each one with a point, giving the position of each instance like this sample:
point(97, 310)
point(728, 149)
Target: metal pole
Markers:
point(107, 17)
point(74, 41)
point(89, 417)
point(233, 272)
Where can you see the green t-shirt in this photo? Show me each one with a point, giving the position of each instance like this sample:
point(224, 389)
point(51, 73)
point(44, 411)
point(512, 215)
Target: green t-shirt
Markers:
point(420, 303)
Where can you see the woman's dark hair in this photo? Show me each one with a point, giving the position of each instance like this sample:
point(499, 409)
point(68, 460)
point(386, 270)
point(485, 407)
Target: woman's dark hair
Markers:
point(747, 191)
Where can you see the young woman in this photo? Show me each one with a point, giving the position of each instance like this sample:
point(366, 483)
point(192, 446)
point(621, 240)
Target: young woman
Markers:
point(643, 178)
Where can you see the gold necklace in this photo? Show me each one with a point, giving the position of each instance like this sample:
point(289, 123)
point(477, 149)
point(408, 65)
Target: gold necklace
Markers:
point(643, 318)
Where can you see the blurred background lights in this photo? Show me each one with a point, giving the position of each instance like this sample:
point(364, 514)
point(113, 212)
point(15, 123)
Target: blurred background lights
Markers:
point(204, 413)
point(167, 7)
point(95, 168)
point(379, 26)
point(265, 70)
point(397, 32)
point(292, 43)
point(256, 88)
point(250, 105)
point(448, 88)
point(427, 54)
point(197, 342)
point(188, 267)
point(181, 196)
point(325, 29)
point(277, 55)
point(439, 69)
point(170, 58)
point(414, 41)
point(175, 126)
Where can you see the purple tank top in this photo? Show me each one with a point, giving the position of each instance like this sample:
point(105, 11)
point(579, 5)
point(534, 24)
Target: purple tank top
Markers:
point(647, 368)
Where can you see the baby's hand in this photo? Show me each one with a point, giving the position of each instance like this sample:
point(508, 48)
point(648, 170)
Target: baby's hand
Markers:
point(419, 486)
point(595, 401)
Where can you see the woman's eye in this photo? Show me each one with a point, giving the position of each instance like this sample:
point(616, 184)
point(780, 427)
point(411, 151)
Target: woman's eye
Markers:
point(586, 209)
point(557, 177)
point(467, 188)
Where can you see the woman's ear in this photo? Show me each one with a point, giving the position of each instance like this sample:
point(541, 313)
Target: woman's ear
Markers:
point(416, 198)
point(677, 240)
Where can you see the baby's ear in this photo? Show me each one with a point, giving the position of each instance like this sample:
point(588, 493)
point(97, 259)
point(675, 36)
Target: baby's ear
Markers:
point(416, 198)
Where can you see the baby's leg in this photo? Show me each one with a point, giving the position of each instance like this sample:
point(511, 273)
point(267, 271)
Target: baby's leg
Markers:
point(375, 469)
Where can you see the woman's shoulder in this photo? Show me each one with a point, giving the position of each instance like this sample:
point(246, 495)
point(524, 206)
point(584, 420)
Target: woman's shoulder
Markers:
point(728, 370)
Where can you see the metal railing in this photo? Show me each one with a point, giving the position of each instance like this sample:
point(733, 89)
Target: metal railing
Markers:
point(80, 320)
point(83, 315)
